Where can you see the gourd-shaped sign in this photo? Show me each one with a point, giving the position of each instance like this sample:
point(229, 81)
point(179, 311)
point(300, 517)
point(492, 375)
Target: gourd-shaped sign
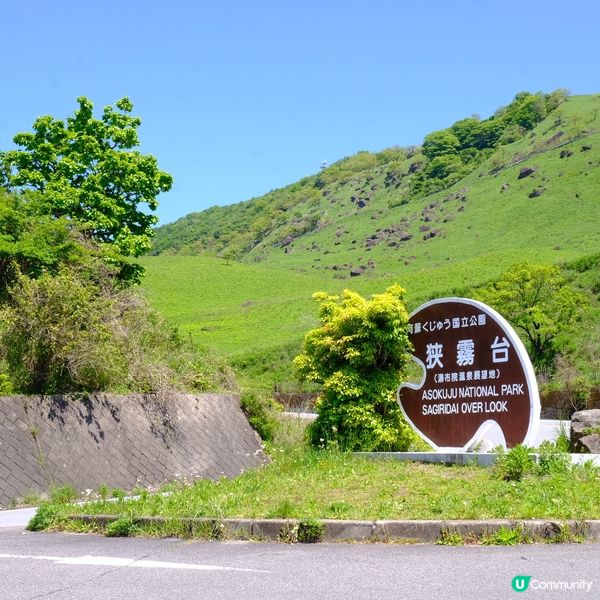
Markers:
point(476, 372)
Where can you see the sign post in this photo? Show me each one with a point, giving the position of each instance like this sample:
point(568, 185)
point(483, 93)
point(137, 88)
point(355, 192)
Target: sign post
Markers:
point(476, 372)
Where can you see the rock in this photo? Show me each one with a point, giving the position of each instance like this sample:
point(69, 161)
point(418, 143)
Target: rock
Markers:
point(361, 204)
point(504, 187)
point(585, 431)
point(423, 228)
point(537, 192)
point(526, 172)
point(555, 137)
point(356, 272)
point(287, 241)
point(585, 148)
point(565, 153)
point(405, 236)
point(430, 234)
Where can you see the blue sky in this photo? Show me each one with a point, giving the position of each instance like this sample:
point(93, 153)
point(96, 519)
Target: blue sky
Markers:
point(238, 98)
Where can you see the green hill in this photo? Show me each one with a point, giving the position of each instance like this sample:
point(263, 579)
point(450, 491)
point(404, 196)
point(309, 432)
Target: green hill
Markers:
point(438, 218)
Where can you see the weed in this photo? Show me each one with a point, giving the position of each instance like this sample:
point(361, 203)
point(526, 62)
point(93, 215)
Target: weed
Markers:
point(552, 459)
point(31, 499)
point(310, 531)
point(260, 410)
point(63, 494)
point(284, 510)
point(450, 538)
point(103, 492)
point(288, 533)
point(506, 536)
point(514, 464)
point(44, 517)
point(122, 527)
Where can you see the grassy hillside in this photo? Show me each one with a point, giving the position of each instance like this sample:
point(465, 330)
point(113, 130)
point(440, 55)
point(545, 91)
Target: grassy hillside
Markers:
point(365, 223)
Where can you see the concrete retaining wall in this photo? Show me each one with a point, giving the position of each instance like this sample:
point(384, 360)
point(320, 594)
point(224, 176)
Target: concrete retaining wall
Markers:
point(120, 441)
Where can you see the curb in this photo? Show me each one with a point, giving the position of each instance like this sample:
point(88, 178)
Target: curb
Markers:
point(334, 530)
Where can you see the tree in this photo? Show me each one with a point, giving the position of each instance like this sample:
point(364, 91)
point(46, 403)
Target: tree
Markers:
point(538, 301)
point(358, 354)
point(87, 170)
point(443, 166)
point(440, 143)
point(465, 130)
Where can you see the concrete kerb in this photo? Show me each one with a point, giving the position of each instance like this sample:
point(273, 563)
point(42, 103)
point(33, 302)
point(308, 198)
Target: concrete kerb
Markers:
point(408, 531)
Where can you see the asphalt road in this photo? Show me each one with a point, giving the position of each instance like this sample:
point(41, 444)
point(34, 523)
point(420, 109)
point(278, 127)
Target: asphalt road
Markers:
point(67, 566)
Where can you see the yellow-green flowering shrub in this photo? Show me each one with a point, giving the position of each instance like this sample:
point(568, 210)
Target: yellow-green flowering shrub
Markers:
point(358, 354)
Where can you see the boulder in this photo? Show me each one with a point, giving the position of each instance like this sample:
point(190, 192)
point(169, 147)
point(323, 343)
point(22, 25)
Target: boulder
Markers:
point(585, 431)
point(415, 167)
point(565, 153)
point(537, 192)
point(504, 187)
point(585, 148)
point(526, 172)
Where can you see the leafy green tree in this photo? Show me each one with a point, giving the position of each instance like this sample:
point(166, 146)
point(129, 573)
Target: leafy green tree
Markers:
point(538, 301)
point(440, 143)
point(443, 166)
point(358, 354)
point(466, 130)
point(88, 170)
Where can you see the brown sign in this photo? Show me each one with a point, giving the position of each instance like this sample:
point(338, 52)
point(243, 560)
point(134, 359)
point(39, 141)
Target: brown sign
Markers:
point(476, 372)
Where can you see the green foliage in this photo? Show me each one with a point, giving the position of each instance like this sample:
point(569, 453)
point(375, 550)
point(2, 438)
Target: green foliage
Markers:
point(450, 538)
point(122, 527)
point(554, 457)
point(6, 386)
point(88, 171)
point(443, 166)
point(358, 355)
point(514, 464)
point(440, 143)
point(310, 531)
point(45, 516)
point(539, 302)
point(260, 411)
point(506, 536)
point(62, 494)
point(76, 332)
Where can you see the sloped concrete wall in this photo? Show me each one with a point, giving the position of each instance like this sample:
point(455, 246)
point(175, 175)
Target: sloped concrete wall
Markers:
point(120, 441)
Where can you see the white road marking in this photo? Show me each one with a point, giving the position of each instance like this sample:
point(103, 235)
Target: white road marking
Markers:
point(115, 561)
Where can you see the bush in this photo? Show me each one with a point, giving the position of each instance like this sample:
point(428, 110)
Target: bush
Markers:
point(358, 355)
point(260, 411)
point(75, 332)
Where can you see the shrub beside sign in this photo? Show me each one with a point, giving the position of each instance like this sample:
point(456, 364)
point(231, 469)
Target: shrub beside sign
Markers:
point(476, 372)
